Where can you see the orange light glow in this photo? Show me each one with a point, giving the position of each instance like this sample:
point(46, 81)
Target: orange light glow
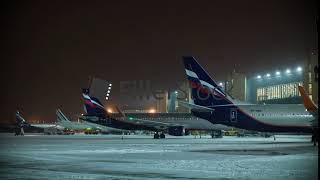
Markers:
point(152, 111)
point(109, 110)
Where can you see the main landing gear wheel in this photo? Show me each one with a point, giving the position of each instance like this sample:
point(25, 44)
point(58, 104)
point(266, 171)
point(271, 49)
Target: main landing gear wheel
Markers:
point(162, 136)
point(156, 136)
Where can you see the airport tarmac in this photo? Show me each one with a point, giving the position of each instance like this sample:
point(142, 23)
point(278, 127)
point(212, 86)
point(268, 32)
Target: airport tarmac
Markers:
point(37, 156)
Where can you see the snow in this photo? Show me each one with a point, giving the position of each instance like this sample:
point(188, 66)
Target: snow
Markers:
point(141, 157)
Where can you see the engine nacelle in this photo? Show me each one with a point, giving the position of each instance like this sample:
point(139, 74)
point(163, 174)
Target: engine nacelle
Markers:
point(176, 131)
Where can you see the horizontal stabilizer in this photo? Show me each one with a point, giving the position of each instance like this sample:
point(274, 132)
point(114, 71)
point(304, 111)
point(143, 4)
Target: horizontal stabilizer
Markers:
point(195, 107)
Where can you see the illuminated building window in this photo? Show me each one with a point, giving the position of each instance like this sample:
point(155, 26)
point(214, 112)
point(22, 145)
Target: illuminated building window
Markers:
point(310, 88)
point(278, 91)
point(300, 84)
point(285, 91)
point(309, 77)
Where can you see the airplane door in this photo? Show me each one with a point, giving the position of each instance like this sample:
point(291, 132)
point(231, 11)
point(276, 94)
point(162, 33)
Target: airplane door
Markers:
point(233, 115)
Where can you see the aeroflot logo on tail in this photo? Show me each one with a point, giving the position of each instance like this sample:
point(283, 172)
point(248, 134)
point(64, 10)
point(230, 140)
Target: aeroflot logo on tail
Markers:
point(207, 91)
point(89, 103)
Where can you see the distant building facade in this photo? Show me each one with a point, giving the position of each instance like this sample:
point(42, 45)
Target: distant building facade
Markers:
point(278, 87)
point(236, 86)
point(141, 96)
point(182, 93)
point(311, 76)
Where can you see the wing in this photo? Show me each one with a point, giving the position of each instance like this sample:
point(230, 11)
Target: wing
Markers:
point(150, 123)
point(145, 121)
point(196, 107)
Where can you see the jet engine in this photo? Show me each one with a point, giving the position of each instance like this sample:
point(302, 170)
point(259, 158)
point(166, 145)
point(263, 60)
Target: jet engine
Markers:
point(176, 131)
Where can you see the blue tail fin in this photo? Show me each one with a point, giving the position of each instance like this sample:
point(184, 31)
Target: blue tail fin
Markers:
point(205, 92)
point(93, 106)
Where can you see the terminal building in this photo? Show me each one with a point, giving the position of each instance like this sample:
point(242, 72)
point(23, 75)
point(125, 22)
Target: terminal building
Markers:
point(278, 86)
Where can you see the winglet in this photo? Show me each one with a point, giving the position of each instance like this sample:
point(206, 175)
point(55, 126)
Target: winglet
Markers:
point(21, 122)
point(60, 116)
point(307, 102)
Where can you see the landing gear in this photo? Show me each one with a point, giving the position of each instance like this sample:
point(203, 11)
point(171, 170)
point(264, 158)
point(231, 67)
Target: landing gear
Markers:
point(159, 136)
point(162, 136)
point(156, 136)
point(19, 132)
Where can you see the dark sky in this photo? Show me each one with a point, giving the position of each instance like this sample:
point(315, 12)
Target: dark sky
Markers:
point(51, 47)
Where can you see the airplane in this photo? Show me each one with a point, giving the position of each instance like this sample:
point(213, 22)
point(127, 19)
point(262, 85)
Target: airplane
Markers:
point(96, 113)
point(65, 122)
point(177, 124)
point(22, 123)
point(210, 102)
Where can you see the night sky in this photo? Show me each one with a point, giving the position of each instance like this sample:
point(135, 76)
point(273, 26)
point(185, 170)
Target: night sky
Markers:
point(50, 48)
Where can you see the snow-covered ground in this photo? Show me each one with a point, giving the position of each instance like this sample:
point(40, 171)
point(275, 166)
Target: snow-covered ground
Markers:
point(141, 157)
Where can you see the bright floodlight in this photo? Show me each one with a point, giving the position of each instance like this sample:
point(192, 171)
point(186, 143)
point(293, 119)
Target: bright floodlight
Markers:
point(109, 87)
point(109, 110)
point(107, 94)
point(152, 111)
point(288, 71)
point(278, 73)
point(176, 92)
point(107, 98)
point(110, 84)
point(258, 76)
point(299, 69)
point(268, 75)
point(220, 84)
point(108, 91)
